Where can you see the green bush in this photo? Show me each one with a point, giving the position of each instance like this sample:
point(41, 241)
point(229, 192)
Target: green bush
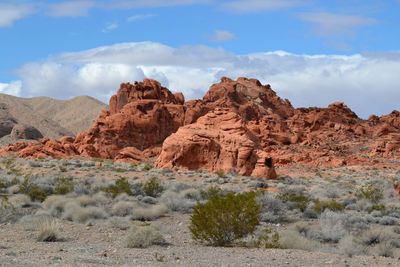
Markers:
point(371, 193)
point(63, 186)
point(152, 187)
point(211, 192)
point(32, 190)
point(301, 200)
point(320, 206)
point(223, 219)
point(121, 186)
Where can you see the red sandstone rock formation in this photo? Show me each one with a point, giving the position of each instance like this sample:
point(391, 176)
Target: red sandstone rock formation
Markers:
point(218, 140)
point(237, 126)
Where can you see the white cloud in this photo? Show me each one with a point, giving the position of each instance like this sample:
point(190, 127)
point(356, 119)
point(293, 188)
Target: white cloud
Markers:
point(140, 17)
point(111, 27)
point(244, 6)
point(367, 83)
point(12, 88)
point(9, 13)
point(74, 8)
point(336, 24)
point(222, 36)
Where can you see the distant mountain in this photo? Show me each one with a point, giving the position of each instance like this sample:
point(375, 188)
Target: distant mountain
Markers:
point(32, 118)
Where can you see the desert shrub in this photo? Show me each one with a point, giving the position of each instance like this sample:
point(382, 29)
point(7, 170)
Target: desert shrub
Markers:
point(300, 200)
point(333, 205)
point(47, 230)
point(384, 249)
point(348, 247)
point(149, 213)
point(143, 237)
point(121, 186)
point(63, 186)
point(220, 173)
point(332, 226)
point(211, 192)
point(377, 207)
point(268, 239)
point(273, 210)
point(19, 200)
point(79, 214)
point(121, 223)
point(388, 220)
point(224, 219)
point(122, 208)
point(370, 192)
point(32, 190)
point(152, 187)
point(177, 201)
point(149, 200)
point(147, 167)
point(55, 204)
point(292, 239)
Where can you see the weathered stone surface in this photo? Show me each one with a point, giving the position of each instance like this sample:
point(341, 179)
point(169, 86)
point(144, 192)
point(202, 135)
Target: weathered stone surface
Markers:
point(235, 127)
point(218, 140)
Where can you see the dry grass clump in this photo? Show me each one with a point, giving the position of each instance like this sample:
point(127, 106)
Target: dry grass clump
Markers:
point(121, 223)
point(123, 208)
point(144, 236)
point(292, 239)
point(149, 213)
point(47, 229)
point(55, 204)
point(332, 226)
point(19, 200)
point(178, 201)
point(76, 213)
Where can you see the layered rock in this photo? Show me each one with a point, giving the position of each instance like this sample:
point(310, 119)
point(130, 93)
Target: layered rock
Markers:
point(218, 140)
point(239, 125)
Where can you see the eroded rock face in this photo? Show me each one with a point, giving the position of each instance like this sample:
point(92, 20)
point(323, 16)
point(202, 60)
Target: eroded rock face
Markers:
point(239, 126)
point(218, 140)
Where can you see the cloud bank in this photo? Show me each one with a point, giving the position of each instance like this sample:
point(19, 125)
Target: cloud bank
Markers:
point(368, 83)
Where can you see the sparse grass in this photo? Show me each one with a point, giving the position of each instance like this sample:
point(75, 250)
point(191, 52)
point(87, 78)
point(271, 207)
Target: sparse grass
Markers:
point(144, 236)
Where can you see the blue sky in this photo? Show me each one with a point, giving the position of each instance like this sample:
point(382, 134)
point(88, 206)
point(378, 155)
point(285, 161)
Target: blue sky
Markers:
point(313, 52)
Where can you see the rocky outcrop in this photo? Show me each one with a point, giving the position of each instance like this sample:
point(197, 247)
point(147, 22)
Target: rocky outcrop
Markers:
point(218, 140)
point(239, 125)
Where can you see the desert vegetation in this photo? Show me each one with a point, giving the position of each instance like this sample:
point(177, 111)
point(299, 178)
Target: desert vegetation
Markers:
point(346, 214)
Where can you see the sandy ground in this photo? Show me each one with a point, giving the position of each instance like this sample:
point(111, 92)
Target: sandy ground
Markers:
point(103, 245)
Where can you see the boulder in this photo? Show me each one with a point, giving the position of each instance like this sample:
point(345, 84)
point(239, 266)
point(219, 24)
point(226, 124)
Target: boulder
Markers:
point(21, 131)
